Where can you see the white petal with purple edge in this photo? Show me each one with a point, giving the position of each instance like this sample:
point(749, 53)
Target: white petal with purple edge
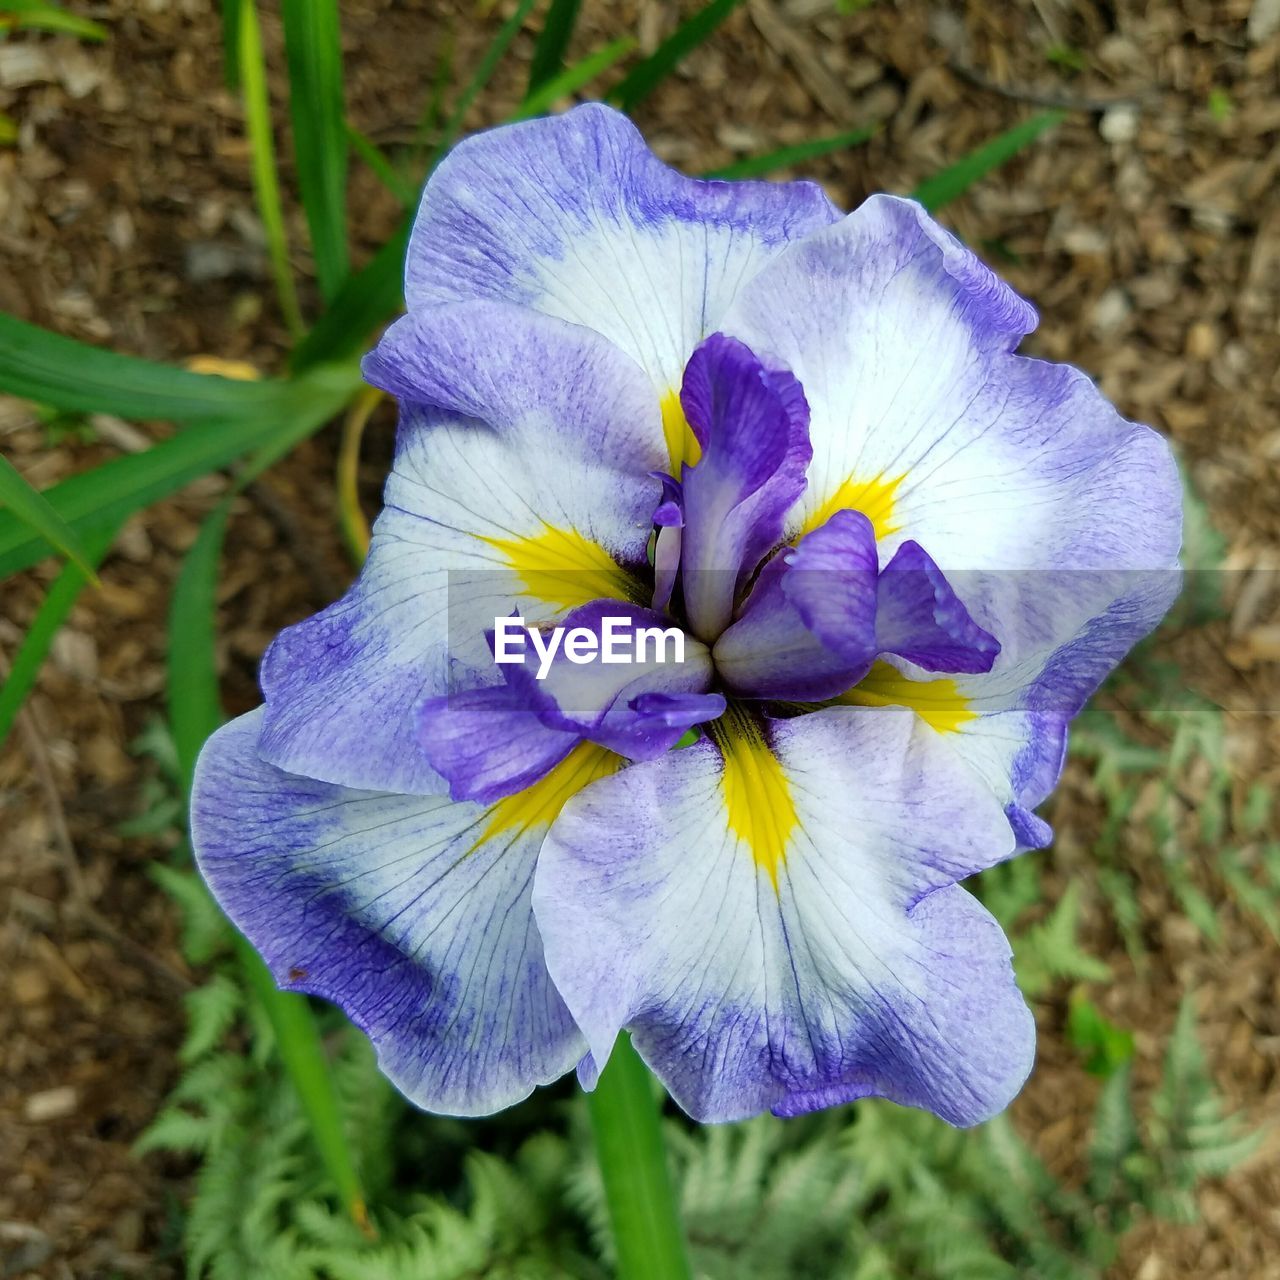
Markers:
point(1056, 521)
point(519, 483)
point(808, 949)
point(575, 216)
point(398, 908)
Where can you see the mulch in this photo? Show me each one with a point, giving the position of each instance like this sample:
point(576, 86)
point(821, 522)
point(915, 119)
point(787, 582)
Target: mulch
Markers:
point(1146, 228)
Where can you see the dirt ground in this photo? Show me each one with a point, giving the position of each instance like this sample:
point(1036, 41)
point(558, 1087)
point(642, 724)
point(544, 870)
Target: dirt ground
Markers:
point(1146, 229)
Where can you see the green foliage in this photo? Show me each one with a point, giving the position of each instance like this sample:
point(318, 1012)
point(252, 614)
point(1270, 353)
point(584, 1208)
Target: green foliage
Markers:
point(869, 1192)
point(1106, 1046)
point(1221, 107)
point(40, 15)
point(573, 78)
point(31, 507)
point(1189, 1137)
point(313, 53)
point(1067, 57)
point(553, 43)
point(645, 77)
point(955, 180)
point(266, 183)
point(801, 153)
point(53, 611)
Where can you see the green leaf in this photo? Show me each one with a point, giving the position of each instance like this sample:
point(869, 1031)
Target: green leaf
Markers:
point(488, 64)
point(8, 130)
point(33, 509)
point(553, 43)
point(52, 613)
point(124, 485)
point(313, 52)
point(195, 709)
point(266, 186)
point(956, 179)
point(383, 169)
point(231, 43)
point(38, 365)
point(626, 1120)
point(39, 15)
point(643, 79)
point(195, 712)
point(363, 304)
point(1106, 1046)
point(574, 78)
point(375, 292)
point(784, 157)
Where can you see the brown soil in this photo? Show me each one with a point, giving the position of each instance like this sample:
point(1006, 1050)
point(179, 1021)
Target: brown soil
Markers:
point(1146, 228)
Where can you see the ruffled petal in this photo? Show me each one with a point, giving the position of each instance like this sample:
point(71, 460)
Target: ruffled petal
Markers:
point(412, 913)
point(519, 482)
point(1056, 522)
point(574, 216)
point(775, 920)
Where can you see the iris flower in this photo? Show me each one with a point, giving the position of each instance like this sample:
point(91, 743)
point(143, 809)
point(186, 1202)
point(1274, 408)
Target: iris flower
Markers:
point(901, 555)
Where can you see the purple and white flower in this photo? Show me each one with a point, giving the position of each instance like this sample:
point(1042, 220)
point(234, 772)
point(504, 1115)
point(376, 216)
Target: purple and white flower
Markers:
point(901, 555)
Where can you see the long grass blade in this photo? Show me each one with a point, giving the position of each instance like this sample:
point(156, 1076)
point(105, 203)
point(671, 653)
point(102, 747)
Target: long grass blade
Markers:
point(363, 304)
point(124, 485)
point(38, 365)
point(376, 291)
point(553, 43)
point(313, 52)
point(488, 64)
point(800, 153)
point(231, 43)
point(382, 168)
point(195, 712)
point(39, 15)
point(52, 613)
point(574, 78)
point(644, 78)
point(32, 508)
point(266, 185)
point(953, 181)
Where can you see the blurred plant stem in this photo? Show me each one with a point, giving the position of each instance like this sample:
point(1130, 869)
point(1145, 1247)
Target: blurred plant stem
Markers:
point(626, 1115)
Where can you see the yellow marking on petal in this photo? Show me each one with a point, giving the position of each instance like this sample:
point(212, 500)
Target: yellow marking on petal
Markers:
point(682, 444)
point(874, 498)
point(939, 703)
point(757, 794)
point(539, 804)
point(562, 568)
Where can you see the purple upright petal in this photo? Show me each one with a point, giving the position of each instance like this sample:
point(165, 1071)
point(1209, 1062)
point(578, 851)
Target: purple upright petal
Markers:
point(749, 423)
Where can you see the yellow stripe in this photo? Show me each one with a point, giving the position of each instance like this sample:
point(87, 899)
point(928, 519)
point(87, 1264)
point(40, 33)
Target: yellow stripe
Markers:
point(938, 703)
point(682, 444)
point(757, 794)
point(565, 569)
point(875, 498)
point(539, 805)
